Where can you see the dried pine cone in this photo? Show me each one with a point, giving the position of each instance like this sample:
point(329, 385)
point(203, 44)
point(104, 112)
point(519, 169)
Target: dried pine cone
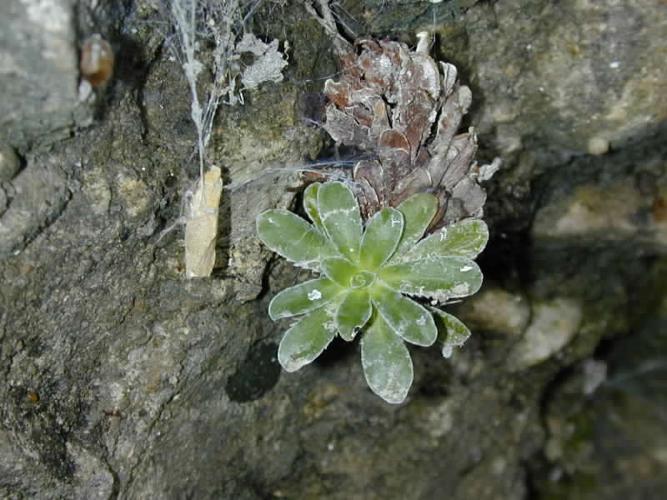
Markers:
point(387, 103)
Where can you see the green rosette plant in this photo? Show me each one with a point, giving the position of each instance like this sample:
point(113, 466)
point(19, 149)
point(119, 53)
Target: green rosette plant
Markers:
point(367, 276)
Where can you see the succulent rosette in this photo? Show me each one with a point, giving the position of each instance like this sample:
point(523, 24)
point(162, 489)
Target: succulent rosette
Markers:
point(369, 279)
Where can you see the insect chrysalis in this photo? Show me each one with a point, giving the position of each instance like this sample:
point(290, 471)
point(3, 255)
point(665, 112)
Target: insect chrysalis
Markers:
point(201, 227)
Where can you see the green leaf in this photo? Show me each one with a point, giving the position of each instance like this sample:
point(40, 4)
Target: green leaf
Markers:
point(452, 331)
point(418, 212)
point(340, 216)
point(410, 321)
point(292, 237)
point(306, 340)
point(386, 362)
point(438, 278)
point(303, 298)
point(381, 238)
point(339, 270)
point(353, 313)
point(310, 205)
point(463, 239)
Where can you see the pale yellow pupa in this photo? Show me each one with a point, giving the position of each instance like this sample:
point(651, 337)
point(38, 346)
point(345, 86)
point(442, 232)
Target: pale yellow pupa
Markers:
point(201, 226)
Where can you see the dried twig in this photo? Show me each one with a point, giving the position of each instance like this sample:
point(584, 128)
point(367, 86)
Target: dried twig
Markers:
point(326, 18)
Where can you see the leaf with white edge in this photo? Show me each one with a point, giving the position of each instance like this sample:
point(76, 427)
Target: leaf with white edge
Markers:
point(306, 340)
point(452, 332)
point(386, 362)
point(340, 217)
point(463, 239)
point(292, 237)
point(437, 278)
point(353, 313)
point(418, 212)
point(339, 270)
point(381, 238)
point(310, 205)
point(407, 319)
point(303, 298)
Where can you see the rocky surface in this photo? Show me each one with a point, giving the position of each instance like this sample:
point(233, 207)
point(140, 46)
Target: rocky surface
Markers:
point(123, 379)
point(39, 71)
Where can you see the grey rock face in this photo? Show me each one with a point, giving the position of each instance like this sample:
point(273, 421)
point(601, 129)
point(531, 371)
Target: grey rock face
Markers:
point(572, 75)
point(38, 70)
point(121, 379)
point(9, 163)
point(39, 195)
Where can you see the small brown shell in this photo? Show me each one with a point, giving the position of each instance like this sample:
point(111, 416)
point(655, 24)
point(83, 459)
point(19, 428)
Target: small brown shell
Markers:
point(97, 60)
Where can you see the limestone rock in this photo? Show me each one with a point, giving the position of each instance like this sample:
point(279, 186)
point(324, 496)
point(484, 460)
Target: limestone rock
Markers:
point(496, 310)
point(9, 163)
point(571, 73)
point(614, 212)
point(40, 193)
point(553, 325)
point(38, 70)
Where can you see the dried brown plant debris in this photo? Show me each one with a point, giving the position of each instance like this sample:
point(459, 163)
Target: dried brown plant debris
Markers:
point(405, 109)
